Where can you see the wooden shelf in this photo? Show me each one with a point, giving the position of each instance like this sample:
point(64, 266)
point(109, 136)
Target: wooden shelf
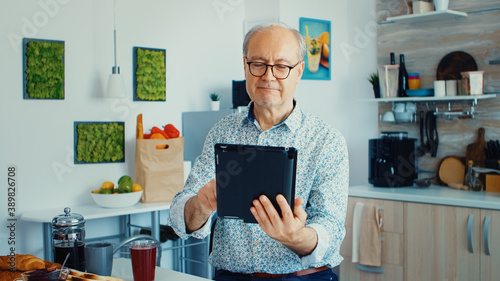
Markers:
point(434, 99)
point(446, 14)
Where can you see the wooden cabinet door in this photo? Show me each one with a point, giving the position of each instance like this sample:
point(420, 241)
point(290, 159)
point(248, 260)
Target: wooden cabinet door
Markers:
point(490, 245)
point(437, 243)
point(392, 246)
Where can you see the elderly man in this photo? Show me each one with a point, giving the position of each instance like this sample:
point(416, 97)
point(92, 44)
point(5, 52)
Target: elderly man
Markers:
point(304, 243)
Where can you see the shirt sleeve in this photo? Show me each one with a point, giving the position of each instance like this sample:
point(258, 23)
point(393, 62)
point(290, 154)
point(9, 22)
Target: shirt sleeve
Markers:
point(177, 221)
point(327, 203)
point(202, 172)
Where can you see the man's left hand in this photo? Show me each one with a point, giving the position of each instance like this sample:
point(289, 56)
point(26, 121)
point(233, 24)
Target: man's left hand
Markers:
point(290, 229)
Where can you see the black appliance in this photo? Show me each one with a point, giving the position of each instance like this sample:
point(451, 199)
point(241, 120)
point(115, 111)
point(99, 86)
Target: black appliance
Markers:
point(240, 94)
point(392, 160)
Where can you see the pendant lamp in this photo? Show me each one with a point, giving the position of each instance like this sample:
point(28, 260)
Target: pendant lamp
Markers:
point(116, 84)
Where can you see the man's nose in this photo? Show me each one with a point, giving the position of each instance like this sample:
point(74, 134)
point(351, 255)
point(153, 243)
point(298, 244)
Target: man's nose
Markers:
point(269, 73)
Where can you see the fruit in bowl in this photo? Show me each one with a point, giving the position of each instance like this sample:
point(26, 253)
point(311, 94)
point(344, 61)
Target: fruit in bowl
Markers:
point(126, 194)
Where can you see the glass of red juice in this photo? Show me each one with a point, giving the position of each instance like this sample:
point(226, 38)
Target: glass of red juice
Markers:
point(143, 255)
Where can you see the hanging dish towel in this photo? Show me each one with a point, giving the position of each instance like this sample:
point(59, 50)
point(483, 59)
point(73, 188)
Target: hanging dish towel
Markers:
point(370, 242)
point(356, 230)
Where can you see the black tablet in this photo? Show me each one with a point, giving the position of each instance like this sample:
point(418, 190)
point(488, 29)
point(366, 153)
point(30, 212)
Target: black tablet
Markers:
point(244, 172)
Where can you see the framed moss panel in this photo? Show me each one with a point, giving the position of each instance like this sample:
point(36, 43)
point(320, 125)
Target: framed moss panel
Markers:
point(149, 74)
point(99, 142)
point(43, 69)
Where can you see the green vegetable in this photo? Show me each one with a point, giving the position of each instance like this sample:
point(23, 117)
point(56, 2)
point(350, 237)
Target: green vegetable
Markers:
point(150, 74)
point(100, 142)
point(45, 70)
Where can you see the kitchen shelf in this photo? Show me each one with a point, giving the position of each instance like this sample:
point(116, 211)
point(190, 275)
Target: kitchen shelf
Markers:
point(446, 14)
point(434, 99)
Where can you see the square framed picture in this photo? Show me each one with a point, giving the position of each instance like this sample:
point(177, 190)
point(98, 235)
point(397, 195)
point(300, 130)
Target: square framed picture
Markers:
point(43, 69)
point(149, 74)
point(317, 59)
point(99, 142)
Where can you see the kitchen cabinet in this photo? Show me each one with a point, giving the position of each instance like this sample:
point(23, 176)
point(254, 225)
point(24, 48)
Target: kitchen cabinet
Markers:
point(490, 253)
point(392, 245)
point(449, 243)
point(434, 233)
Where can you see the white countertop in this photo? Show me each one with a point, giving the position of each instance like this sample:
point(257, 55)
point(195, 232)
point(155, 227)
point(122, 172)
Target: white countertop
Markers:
point(439, 195)
point(93, 211)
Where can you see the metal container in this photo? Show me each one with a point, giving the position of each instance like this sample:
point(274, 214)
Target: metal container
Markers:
point(68, 234)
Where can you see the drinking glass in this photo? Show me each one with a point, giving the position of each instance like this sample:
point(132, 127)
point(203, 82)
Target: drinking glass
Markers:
point(143, 255)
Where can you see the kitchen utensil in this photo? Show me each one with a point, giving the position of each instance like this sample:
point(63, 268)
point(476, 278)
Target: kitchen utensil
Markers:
point(143, 256)
point(492, 152)
point(452, 64)
point(439, 88)
point(420, 93)
point(451, 170)
point(99, 258)
point(68, 234)
point(431, 133)
point(475, 150)
point(388, 117)
point(422, 148)
point(425, 182)
point(117, 200)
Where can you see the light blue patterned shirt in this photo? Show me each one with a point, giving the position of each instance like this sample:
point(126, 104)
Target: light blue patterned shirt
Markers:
point(321, 180)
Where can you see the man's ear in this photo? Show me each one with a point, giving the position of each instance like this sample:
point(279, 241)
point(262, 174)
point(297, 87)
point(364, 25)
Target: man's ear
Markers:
point(300, 71)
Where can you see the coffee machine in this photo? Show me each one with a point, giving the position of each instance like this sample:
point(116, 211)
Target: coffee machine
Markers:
point(392, 160)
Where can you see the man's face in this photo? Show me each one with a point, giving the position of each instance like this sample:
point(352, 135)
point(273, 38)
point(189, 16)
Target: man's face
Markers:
point(274, 45)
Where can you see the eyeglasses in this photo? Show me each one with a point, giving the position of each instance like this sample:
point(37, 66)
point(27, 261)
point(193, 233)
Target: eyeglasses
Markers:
point(279, 71)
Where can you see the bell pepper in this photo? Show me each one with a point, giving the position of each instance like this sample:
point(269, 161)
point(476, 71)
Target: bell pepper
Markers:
point(156, 130)
point(171, 131)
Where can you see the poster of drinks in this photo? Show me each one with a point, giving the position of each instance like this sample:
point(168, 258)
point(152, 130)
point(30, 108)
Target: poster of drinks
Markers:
point(317, 59)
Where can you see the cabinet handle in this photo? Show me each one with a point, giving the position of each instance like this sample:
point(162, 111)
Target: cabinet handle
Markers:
point(487, 235)
point(469, 233)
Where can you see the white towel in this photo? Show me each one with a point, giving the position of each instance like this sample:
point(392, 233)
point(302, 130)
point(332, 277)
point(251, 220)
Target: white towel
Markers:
point(356, 230)
point(370, 243)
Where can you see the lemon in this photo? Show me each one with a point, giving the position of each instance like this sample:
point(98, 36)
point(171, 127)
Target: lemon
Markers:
point(125, 178)
point(136, 187)
point(324, 38)
point(95, 191)
point(107, 185)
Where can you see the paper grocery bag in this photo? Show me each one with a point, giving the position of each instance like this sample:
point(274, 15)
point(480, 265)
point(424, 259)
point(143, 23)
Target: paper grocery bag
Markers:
point(160, 172)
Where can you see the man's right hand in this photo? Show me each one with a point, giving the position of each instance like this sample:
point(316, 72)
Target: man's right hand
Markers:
point(207, 196)
point(199, 207)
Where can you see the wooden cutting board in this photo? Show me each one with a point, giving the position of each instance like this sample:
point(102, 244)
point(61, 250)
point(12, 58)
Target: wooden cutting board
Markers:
point(475, 150)
point(451, 170)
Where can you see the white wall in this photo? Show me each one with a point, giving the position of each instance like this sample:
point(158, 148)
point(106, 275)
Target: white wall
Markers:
point(203, 42)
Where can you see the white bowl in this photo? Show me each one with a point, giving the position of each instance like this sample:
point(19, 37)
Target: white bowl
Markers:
point(121, 200)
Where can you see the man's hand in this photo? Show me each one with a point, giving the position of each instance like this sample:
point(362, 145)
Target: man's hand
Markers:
point(199, 207)
point(289, 230)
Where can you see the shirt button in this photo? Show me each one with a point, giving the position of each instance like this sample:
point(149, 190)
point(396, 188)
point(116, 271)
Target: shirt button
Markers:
point(256, 242)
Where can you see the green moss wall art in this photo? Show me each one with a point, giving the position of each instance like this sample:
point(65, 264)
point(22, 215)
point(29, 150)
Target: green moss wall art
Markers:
point(43, 62)
point(99, 142)
point(149, 74)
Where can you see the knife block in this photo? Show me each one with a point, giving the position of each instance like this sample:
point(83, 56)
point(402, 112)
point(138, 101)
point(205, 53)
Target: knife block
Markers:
point(492, 183)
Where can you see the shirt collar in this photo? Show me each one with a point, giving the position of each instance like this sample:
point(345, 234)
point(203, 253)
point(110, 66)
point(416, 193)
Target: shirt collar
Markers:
point(292, 121)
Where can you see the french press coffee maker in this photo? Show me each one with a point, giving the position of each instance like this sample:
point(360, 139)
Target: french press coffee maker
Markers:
point(68, 234)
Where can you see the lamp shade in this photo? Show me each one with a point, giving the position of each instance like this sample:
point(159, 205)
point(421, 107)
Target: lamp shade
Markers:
point(116, 86)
